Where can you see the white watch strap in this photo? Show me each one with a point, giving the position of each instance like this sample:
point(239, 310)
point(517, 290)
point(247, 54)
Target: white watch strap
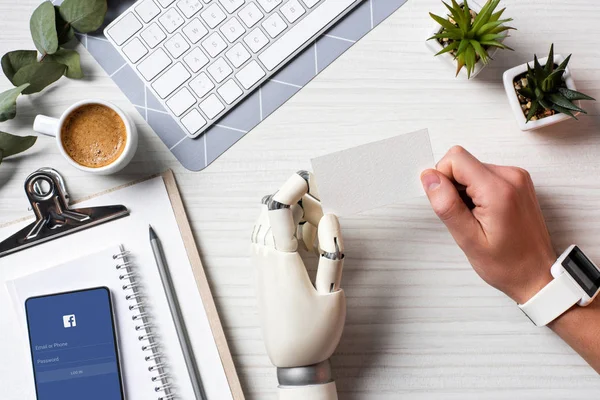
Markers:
point(552, 301)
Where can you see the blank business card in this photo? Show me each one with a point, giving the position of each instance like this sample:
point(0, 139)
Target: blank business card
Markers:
point(373, 175)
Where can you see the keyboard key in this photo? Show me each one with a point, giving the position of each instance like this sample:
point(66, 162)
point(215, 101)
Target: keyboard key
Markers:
point(256, 40)
point(274, 25)
point(219, 70)
point(171, 80)
point(214, 45)
point(181, 101)
point(195, 30)
point(147, 10)
point(189, 7)
point(251, 15)
point(250, 74)
point(153, 35)
point(212, 106)
point(231, 5)
point(213, 15)
point(303, 32)
point(177, 45)
point(196, 59)
point(238, 55)
point(201, 85)
point(269, 5)
point(230, 91)
point(171, 20)
point(125, 28)
point(310, 3)
point(135, 50)
point(292, 10)
point(193, 121)
point(165, 3)
point(154, 64)
point(232, 29)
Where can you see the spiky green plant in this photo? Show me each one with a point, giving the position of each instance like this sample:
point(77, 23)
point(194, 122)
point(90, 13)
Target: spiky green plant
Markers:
point(546, 88)
point(470, 38)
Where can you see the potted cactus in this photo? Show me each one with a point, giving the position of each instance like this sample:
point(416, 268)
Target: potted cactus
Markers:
point(544, 94)
point(469, 35)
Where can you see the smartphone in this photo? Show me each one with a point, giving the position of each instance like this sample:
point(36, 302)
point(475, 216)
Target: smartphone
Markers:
point(74, 347)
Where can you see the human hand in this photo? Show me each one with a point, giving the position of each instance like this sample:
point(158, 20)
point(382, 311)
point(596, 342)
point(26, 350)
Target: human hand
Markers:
point(504, 236)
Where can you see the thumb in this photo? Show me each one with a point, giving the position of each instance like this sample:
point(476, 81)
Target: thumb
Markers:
point(450, 208)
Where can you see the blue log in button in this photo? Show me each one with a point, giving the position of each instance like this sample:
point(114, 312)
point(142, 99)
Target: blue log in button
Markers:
point(76, 372)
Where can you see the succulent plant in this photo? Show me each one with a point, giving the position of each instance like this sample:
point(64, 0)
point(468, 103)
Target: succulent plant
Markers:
point(469, 38)
point(546, 88)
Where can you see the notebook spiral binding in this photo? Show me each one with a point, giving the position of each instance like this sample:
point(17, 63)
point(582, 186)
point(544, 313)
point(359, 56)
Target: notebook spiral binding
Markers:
point(144, 326)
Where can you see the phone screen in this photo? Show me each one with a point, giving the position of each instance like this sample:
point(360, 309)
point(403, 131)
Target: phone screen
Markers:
point(73, 346)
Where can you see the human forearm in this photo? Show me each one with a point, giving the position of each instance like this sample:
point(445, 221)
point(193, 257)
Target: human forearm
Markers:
point(580, 328)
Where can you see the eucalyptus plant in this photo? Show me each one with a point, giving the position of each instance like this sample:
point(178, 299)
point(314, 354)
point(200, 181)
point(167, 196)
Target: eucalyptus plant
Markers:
point(30, 71)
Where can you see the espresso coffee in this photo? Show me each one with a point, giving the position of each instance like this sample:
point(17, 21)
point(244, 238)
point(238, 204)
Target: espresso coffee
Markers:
point(94, 135)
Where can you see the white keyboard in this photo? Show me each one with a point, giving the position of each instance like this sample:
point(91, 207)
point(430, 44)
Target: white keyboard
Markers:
point(202, 57)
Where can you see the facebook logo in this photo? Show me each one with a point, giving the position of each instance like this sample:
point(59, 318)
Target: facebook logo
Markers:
point(69, 321)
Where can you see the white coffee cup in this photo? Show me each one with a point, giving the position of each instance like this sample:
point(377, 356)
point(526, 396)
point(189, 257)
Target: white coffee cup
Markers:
point(53, 127)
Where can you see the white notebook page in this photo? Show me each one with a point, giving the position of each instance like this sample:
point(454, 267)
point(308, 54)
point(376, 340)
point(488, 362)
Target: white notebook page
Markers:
point(148, 203)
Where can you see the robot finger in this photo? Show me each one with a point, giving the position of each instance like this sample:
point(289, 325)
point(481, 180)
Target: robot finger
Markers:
point(285, 213)
point(331, 263)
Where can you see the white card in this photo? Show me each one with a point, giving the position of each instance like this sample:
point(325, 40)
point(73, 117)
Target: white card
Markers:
point(373, 175)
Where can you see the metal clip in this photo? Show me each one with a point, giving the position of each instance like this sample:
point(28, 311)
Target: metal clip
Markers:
point(49, 200)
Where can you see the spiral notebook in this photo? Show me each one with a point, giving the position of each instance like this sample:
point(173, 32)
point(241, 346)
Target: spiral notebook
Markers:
point(118, 255)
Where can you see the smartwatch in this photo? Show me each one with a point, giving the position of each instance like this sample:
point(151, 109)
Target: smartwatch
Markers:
point(576, 281)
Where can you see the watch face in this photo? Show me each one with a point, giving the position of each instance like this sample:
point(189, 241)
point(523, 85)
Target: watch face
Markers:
point(583, 271)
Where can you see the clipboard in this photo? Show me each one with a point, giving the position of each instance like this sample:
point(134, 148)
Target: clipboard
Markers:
point(197, 270)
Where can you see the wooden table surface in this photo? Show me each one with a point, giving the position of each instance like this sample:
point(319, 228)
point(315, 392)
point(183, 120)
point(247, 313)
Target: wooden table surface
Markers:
point(421, 324)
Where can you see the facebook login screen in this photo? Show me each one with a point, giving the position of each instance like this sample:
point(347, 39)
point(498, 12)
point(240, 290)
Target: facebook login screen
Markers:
point(73, 346)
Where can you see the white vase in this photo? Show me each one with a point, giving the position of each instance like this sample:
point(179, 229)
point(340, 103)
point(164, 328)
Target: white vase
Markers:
point(511, 93)
point(435, 46)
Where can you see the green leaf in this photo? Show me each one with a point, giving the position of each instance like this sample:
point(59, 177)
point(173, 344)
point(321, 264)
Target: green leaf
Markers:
point(502, 28)
point(563, 110)
point(480, 51)
point(443, 21)
point(496, 16)
point(460, 63)
point(484, 15)
point(562, 101)
point(450, 47)
point(489, 37)
point(527, 92)
point(84, 16)
point(573, 94)
point(545, 104)
point(39, 75)
point(549, 67)
point(43, 28)
point(537, 69)
point(70, 59)
point(470, 60)
point(553, 80)
point(65, 31)
point(462, 47)
point(495, 44)
point(8, 102)
point(15, 60)
point(454, 35)
point(487, 28)
point(12, 144)
point(563, 65)
point(533, 110)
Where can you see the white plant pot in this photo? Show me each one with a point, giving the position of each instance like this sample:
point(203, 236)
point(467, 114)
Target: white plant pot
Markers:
point(436, 47)
point(511, 93)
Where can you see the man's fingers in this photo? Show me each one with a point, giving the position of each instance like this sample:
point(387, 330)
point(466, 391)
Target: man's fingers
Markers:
point(462, 167)
point(450, 208)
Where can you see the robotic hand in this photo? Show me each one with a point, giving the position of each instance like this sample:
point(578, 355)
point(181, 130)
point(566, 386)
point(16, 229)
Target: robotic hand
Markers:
point(302, 324)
